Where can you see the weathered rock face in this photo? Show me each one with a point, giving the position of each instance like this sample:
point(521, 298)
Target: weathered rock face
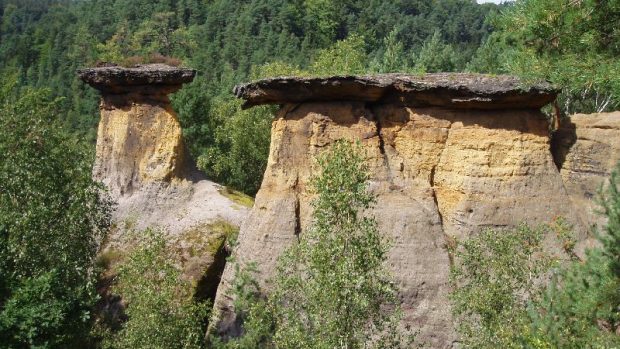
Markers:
point(587, 149)
point(142, 159)
point(450, 154)
point(139, 138)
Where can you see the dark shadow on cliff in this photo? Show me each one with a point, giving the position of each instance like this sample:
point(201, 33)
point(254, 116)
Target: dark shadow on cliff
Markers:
point(206, 287)
point(562, 140)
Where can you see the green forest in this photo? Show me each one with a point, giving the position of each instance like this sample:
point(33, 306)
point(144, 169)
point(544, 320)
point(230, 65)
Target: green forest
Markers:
point(48, 121)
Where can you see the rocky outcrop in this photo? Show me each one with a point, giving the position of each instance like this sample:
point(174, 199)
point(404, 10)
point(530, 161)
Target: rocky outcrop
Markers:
point(139, 139)
point(586, 149)
point(463, 91)
point(450, 154)
point(141, 158)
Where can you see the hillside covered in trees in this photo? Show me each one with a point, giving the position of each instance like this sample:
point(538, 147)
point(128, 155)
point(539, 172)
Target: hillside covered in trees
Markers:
point(56, 280)
point(42, 43)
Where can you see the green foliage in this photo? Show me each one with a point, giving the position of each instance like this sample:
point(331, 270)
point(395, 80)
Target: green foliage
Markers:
point(241, 145)
point(611, 236)
point(345, 57)
point(500, 298)
point(581, 307)
point(495, 274)
point(393, 59)
point(52, 218)
point(574, 44)
point(331, 290)
point(160, 306)
point(436, 56)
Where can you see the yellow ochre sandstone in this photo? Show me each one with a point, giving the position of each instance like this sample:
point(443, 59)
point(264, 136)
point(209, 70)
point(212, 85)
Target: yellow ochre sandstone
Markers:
point(142, 161)
point(449, 155)
point(139, 140)
point(138, 144)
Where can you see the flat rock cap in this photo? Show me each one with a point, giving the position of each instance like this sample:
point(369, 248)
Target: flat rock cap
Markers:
point(113, 78)
point(452, 90)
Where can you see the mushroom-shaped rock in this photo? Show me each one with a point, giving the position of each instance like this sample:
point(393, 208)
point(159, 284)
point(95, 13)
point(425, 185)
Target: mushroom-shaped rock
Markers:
point(139, 139)
point(450, 154)
point(454, 90)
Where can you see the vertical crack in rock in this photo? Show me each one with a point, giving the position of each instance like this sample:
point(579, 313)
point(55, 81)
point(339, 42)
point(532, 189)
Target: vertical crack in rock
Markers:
point(206, 287)
point(297, 209)
point(386, 161)
point(432, 182)
point(433, 173)
point(379, 134)
point(449, 241)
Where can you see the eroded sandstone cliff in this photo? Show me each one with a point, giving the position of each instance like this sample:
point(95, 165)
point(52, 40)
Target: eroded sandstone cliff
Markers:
point(142, 160)
point(587, 148)
point(450, 154)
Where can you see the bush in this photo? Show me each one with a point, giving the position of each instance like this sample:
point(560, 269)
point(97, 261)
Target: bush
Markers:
point(581, 306)
point(495, 275)
point(502, 298)
point(331, 290)
point(52, 219)
point(161, 310)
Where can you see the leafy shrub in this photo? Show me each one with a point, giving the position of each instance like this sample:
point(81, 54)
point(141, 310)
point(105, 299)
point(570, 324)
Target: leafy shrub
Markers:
point(581, 306)
point(331, 290)
point(52, 219)
point(161, 310)
point(494, 276)
point(502, 298)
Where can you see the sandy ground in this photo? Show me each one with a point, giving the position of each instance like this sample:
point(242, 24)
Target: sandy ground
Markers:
point(178, 207)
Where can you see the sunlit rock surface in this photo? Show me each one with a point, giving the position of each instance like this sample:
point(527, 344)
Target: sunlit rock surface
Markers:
point(450, 154)
point(142, 159)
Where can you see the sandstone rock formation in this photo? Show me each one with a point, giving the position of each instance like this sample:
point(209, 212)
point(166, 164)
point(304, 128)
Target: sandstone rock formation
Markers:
point(139, 139)
point(141, 158)
point(450, 154)
point(587, 149)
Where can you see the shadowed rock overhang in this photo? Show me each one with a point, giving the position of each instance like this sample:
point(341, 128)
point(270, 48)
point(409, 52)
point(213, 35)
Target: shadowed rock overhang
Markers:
point(451, 90)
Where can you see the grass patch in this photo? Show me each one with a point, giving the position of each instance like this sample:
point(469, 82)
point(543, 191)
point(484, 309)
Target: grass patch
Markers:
point(210, 237)
point(107, 259)
point(237, 197)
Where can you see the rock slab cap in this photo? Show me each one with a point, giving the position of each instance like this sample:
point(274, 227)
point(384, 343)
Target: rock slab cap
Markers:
point(452, 90)
point(116, 79)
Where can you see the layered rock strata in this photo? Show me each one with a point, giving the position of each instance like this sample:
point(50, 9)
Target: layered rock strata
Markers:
point(450, 154)
point(587, 148)
point(139, 138)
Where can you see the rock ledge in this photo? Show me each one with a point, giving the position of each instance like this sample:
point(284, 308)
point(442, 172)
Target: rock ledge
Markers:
point(452, 90)
point(116, 79)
